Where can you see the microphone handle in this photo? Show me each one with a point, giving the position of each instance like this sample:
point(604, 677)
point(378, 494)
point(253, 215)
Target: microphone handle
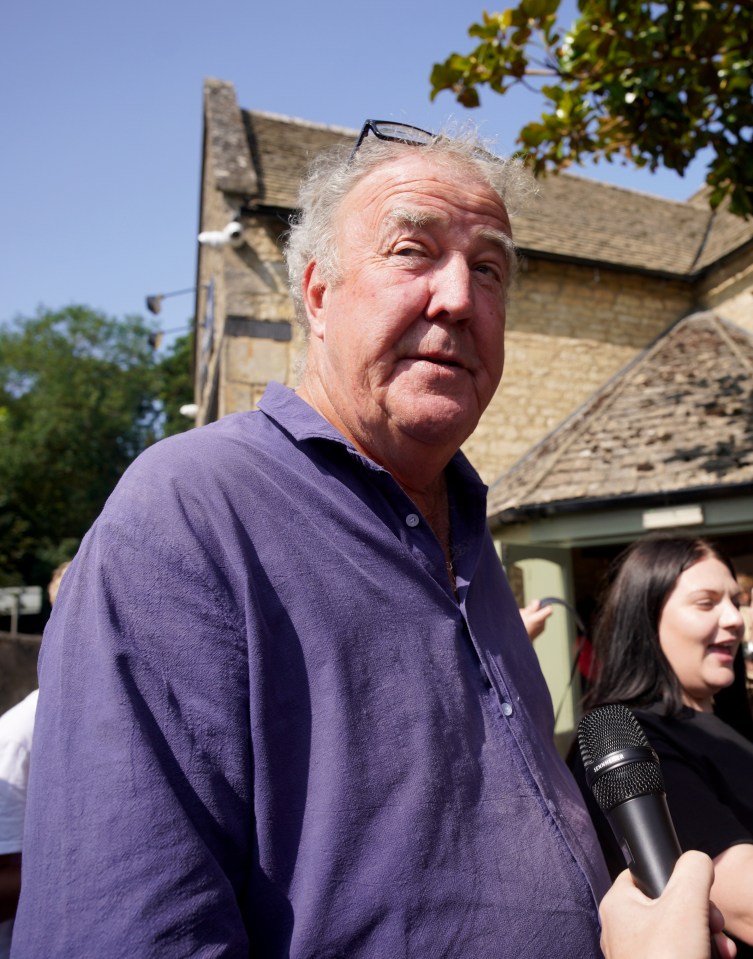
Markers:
point(648, 840)
point(647, 837)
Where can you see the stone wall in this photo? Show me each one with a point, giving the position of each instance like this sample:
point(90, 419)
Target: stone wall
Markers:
point(729, 290)
point(215, 213)
point(262, 339)
point(255, 338)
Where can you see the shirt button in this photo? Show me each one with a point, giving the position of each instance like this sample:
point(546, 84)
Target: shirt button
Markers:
point(412, 519)
point(506, 709)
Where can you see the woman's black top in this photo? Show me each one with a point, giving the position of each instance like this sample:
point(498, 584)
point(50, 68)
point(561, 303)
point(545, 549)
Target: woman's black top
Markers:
point(708, 774)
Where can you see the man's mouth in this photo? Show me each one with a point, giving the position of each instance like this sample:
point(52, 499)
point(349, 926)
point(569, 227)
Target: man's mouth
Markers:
point(441, 361)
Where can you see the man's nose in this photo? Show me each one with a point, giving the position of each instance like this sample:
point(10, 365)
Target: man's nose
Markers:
point(451, 290)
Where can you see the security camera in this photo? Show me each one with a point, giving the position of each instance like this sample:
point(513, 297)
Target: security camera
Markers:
point(232, 234)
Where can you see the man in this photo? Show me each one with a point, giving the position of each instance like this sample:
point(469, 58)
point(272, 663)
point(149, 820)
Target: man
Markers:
point(288, 704)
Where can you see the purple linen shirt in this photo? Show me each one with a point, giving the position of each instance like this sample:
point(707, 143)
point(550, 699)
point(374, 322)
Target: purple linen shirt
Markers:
point(267, 727)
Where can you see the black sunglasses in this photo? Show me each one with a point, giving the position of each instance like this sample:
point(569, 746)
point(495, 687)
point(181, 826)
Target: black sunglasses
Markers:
point(395, 132)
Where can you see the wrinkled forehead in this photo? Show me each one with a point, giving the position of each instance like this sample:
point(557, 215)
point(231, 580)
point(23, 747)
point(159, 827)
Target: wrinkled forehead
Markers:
point(442, 187)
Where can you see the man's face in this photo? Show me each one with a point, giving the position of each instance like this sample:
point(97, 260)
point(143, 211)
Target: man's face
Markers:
point(409, 340)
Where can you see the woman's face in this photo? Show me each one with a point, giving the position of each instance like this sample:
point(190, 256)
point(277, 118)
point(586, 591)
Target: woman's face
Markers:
point(700, 629)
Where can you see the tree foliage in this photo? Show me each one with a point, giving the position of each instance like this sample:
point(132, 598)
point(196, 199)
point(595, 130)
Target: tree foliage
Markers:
point(77, 404)
point(650, 83)
point(81, 395)
point(175, 384)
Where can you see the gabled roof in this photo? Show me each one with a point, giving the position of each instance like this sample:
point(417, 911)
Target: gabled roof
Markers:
point(678, 418)
point(573, 218)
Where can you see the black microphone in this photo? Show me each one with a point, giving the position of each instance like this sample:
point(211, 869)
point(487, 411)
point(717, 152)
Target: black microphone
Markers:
point(623, 773)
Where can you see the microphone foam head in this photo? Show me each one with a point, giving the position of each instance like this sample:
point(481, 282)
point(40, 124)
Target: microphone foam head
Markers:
point(610, 730)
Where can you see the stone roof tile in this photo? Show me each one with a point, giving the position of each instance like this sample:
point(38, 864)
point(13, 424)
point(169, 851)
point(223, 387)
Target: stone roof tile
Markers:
point(576, 217)
point(680, 416)
point(283, 148)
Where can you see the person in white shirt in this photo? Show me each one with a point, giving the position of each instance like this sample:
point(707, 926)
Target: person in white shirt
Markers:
point(16, 729)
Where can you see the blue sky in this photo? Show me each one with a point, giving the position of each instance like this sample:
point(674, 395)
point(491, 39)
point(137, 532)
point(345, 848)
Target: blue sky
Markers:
point(101, 108)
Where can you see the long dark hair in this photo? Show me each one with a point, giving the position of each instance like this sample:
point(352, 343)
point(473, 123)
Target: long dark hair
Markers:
point(630, 666)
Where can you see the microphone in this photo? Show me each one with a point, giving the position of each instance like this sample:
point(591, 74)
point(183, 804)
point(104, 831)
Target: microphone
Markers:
point(623, 773)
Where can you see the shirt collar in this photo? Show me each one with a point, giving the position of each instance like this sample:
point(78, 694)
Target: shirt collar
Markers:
point(294, 415)
point(286, 408)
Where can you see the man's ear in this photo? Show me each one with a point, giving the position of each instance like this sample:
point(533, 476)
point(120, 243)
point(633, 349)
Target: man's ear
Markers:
point(314, 289)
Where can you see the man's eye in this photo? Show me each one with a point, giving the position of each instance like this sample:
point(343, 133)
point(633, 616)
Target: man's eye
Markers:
point(408, 251)
point(489, 269)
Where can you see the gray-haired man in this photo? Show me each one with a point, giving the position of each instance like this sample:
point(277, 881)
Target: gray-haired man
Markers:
point(288, 705)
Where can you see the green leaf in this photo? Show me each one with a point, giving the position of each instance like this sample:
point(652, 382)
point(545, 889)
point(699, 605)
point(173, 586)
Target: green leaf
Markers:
point(653, 83)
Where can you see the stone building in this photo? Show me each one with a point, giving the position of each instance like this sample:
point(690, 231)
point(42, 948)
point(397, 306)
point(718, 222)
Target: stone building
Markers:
point(606, 272)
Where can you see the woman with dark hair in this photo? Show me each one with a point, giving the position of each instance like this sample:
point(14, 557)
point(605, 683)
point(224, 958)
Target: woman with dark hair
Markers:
point(667, 645)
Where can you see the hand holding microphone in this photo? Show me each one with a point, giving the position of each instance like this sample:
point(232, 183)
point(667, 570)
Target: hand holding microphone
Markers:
point(623, 772)
point(677, 925)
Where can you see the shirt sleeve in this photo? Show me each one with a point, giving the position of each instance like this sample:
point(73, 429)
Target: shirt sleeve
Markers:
point(139, 819)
